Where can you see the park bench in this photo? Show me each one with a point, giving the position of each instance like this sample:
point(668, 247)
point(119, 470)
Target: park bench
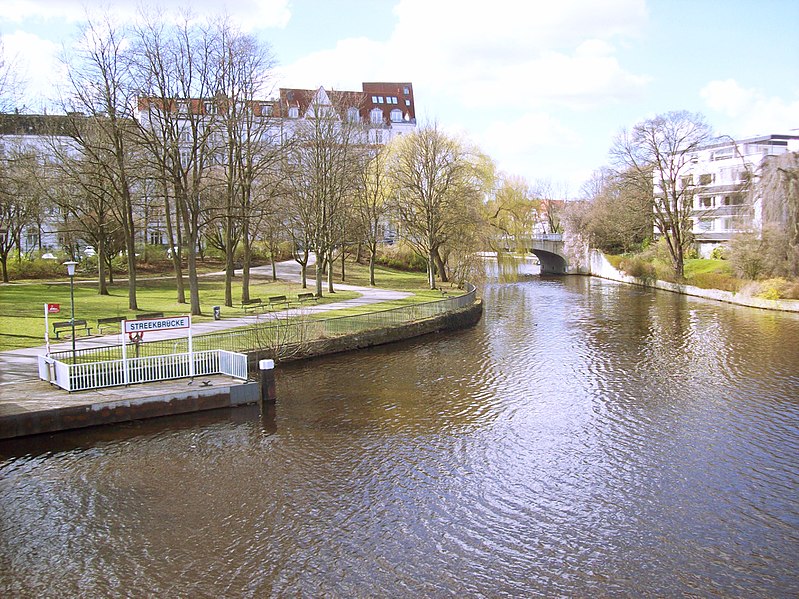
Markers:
point(150, 315)
point(109, 322)
point(252, 304)
point(67, 324)
point(278, 300)
point(306, 297)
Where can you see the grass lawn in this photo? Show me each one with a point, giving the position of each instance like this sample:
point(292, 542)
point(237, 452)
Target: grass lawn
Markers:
point(22, 305)
point(22, 311)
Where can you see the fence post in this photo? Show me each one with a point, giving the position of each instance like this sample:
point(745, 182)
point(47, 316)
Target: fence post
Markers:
point(268, 390)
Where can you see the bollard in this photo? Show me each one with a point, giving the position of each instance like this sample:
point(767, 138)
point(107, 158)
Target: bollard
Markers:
point(268, 390)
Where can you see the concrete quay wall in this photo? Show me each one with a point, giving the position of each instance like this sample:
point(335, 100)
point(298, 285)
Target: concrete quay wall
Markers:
point(59, 410)
point(451, 321)
point(600, 267)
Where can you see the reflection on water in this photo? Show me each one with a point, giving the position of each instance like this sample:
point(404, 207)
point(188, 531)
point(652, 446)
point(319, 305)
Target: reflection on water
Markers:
point(585, 438)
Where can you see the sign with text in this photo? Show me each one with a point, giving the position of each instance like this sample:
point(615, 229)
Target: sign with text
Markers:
point(53, 308)
point(147, 325)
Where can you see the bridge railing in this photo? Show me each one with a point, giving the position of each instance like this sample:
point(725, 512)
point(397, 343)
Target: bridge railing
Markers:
point(548, 237)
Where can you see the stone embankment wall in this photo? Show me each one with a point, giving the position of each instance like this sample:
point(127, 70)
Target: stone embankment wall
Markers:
point(451, 321)
point(600, 267)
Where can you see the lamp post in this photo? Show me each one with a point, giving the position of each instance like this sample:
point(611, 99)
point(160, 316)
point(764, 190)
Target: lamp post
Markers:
point(71, 272)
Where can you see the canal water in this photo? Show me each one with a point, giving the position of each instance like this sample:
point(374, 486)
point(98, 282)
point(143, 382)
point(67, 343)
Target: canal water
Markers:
point(586, 438)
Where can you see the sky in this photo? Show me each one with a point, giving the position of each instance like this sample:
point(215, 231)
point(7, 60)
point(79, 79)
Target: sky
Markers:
point(542, 87)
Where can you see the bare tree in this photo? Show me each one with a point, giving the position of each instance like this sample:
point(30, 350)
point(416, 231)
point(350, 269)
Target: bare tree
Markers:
point(18, 202)
point(101, 90)
point(656, 154)
point(250, 144)
point(439, 184)
point(372, 203)
point(10, 80)
point(323, 171)
point(177, 74)
point(613, 216)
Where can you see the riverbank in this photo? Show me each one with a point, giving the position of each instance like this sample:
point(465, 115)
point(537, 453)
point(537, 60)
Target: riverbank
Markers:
point(599, 266)
point(32, 407)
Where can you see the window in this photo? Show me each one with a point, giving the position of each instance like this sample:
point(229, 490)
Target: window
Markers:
point(379, 136)
point(376, 116)
point(407, 102)
point(406, 91)
point(379, 99)
point(396, 115)
point(352, 114)
point(294, 112)
point(705, 224)
point(374, 99)
point(707, 179)
point(266, 110)
point(183, 107)
point(722, 154)
point(706, 202)
point(209, 108)
point(687, 181)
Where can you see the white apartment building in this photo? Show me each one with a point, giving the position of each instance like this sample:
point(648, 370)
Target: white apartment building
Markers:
point(40, 136)
point(386, 109)
point(719, 173)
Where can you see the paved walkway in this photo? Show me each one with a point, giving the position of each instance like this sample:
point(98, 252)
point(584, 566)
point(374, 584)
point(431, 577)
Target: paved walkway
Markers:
point(20, 365)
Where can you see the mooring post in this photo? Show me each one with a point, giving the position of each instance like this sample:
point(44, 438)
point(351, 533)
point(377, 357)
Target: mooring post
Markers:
point(268, 390)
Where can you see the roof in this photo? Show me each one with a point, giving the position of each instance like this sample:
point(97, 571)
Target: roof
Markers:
point(33, 124)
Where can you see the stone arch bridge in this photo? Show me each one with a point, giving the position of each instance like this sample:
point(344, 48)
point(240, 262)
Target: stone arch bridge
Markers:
point(548, 248)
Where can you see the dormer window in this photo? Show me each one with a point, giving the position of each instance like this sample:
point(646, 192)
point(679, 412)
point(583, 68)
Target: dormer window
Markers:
point(396, 116)
point(209, 108)
point(376, 116)
point(183, 107)
point(266, 110)
point(352, 115)
point(294, 112)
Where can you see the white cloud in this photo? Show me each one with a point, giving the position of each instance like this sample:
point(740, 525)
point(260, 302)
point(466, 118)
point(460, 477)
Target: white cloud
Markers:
point(749, 110)
point(513, 54)
point(36, 62)
point(249, 14)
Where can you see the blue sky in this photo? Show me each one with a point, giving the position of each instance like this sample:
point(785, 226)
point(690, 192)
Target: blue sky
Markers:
point(540, 86)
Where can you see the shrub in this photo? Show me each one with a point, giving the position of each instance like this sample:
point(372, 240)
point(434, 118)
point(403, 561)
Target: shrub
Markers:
point(715, 280)
point(779, 288)
point(720, 252)
point(638, 267)
point(615, 260)
point(35, 269)
point(401, 257)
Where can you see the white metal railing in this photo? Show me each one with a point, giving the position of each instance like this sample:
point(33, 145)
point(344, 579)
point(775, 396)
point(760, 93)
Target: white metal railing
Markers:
point(112, 373)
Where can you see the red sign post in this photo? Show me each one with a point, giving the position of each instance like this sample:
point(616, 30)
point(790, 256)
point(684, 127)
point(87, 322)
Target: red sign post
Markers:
point(53, 308)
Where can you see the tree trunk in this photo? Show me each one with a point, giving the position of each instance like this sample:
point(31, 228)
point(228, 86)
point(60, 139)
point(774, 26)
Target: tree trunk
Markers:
point(102, 288)
point(431, 269)
point(441, 267)
point(330, 267)
point(320, 273)
point(175, 246)
point(372, 260)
